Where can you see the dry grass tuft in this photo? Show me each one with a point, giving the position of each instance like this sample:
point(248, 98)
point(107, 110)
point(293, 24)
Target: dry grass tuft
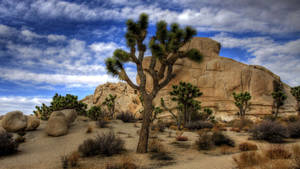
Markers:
point(277, 152)
point(246, 146)
point(182, 138)
point(126, 162)
point(89, 129)
point(248, 159)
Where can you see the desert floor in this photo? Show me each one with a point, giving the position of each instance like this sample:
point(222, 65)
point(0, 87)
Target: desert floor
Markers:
point(43, 152)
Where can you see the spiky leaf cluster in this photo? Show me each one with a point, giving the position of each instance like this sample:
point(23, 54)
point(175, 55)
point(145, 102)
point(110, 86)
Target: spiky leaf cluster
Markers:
point(59, 103)
point(278, 95)
point(241, 100)
point(109, 102)
point(296, 92)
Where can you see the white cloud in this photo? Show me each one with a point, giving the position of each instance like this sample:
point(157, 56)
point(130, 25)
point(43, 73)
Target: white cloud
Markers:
point(55, 79)
point(104, 47)
point(52, 38)
point(281, 58)
point(24, 104)
point(271, 16)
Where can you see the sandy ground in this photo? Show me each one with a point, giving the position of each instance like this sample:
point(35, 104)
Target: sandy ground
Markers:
point(43, 152)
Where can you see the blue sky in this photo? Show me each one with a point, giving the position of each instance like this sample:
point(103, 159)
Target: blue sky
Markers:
point(49, 46)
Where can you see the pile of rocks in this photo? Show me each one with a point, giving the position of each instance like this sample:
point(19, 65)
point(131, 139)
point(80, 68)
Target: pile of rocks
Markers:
point(16, 121)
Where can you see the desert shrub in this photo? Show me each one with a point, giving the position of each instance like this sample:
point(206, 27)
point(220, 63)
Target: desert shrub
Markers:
point(125, 165)
point(248, 159)
point(182, 138)
point(220, 139)
point(159, 126)
point(241, 123)
point(95, 113)
point(126, 117)
point(290, 119)
point(7, 144)
point(89, 129)
point(102, 123)
point(270, 131)
point(205, 141)
point(197, 125)
point(277, 152)
point(296, 155)
point(70, 160)
point(158, 151)
point(103, 144)
point(246, 146)
point(59, 103)
point(294, 129)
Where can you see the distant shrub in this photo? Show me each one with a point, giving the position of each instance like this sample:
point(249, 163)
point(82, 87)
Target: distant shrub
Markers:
point(294, 129)
point(103, 144)
point(102, 123)
point(89, 129)
point(121, 165)
point(126, 117)
point(182, 138)
point(59, 103)
point(241, 123)
point(197, 125)
point(291, 118)
point(70, 160)
point(158, 151)
point(95, 113)
point(270, 131)
point(246, 146)
point(159, 126)
point(205, 141)
point(220, 139)
point(7, 144)
point(248, 159)
point(277, 152)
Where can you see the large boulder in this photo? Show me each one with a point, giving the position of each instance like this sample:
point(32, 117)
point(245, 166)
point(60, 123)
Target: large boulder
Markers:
point(14, 121)
point(57, 124)
point(2, 130)
point(32, 123)
point(70, 114)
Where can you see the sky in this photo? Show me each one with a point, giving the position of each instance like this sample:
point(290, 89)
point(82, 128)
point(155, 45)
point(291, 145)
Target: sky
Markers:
point(56, 46)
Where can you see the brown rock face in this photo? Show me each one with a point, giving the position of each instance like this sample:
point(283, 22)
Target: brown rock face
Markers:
point(127, 99)
point(217, 77)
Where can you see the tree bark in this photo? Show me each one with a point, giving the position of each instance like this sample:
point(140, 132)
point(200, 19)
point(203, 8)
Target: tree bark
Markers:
point(144, 133)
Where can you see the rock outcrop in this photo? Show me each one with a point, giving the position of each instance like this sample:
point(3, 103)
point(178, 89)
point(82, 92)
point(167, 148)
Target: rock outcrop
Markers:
point(57, 124)
point(14, 121)
point(127, 99)
point(70, 114)
point(217, 77)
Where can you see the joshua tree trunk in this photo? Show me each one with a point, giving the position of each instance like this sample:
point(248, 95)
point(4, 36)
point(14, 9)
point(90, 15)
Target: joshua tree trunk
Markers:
point(144, 133)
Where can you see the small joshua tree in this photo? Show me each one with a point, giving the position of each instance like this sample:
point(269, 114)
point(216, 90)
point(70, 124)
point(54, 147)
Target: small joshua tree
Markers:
point(241, 100)
point(184, 94)
point(110, 103)
point(165, 48)
point(278, 96)
point(175, 116)
point(296, 93)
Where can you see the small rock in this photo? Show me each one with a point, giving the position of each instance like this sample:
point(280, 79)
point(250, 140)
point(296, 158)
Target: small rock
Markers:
point(57, 124)
point(14, 121)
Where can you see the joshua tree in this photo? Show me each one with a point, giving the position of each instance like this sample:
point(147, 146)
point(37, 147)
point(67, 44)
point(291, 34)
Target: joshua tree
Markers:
point(175, 116)
point(109, 102)
point(241, 100)
point(278, 96)
point(184, 94)
point(296, 93)
point(164, 46)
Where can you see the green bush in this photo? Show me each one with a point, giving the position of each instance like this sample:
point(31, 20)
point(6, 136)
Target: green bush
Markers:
point(126, 117)
point(220, 139)
point(59, 103)
point(294, 129)
point(95, 113)
point(197, 125)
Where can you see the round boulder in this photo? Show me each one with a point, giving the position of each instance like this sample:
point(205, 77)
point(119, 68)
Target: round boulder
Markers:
point(71, 115)
point(2, 130)
point(14, 121)
point(32, 123)
point(57, 124)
